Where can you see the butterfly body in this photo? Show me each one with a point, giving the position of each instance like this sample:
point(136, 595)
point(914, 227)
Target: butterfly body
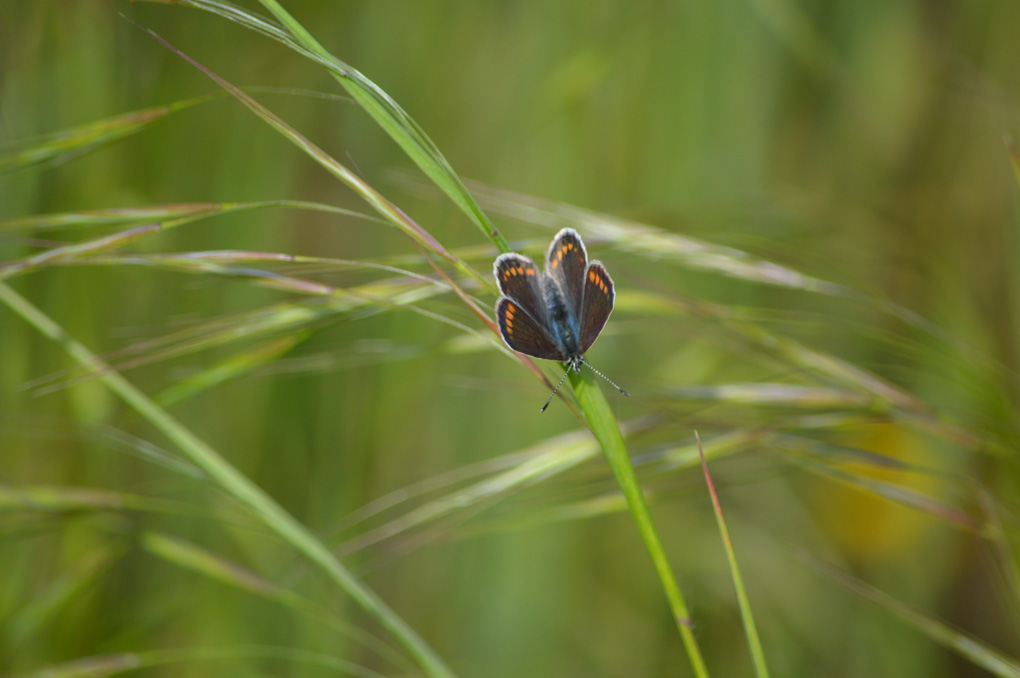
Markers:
point(563, 326)
point(556, 315)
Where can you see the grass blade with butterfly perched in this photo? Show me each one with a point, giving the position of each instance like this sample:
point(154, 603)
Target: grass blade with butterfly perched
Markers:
point(558, 316)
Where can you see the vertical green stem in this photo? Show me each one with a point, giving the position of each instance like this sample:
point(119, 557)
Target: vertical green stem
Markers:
point(753, 641)
point(603, 424)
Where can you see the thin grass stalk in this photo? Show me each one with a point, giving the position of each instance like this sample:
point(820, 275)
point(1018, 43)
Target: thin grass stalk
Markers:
point(236, 484)
point(753, 641)
point(603, 425)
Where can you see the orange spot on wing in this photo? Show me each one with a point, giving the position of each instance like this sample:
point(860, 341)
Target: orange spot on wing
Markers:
point(531, 271)
point(520, 271)
point(561, 252)
point(591, 276)
point(554, 262)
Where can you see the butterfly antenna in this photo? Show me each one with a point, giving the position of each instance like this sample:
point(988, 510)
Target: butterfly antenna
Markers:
point(604, 377)
point(554, 391)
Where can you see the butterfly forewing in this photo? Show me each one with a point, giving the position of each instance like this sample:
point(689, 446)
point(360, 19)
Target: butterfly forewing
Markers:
point(519, 280)
point(596, 305)
point(522, 334)
point(565, 265)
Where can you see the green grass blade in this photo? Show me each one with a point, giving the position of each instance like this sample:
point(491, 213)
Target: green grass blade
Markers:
point(603, 425)
point(237, 485)
point(753, 641)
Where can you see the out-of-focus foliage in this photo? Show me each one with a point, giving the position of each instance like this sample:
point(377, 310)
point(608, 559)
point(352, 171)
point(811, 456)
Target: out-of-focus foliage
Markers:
point(810, 214)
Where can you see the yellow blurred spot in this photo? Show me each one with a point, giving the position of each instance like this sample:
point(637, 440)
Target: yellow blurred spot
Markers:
point(867, 526)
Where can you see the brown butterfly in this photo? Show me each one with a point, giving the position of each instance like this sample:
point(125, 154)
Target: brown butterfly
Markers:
point(559, 314)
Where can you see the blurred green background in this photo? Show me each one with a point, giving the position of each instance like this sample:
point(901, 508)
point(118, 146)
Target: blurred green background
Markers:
point(860, 143)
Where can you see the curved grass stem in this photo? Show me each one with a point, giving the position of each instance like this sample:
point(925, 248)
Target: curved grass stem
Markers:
point(604, 426)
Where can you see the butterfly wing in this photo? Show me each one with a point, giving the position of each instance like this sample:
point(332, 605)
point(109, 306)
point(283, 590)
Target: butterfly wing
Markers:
point(522, 334)
point(597, 303)
point(565, 265)
point(519, 280)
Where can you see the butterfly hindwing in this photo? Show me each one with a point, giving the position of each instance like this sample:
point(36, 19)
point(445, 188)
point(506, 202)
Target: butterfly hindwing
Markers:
point(522, 334)
point(597, 303)
point(565, 265)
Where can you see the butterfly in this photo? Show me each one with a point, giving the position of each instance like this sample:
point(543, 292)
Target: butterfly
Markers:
point(559, 314)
